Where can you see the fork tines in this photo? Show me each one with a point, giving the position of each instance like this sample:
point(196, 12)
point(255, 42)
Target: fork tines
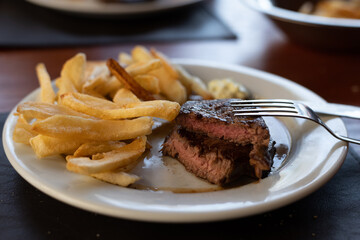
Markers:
point(264, 107)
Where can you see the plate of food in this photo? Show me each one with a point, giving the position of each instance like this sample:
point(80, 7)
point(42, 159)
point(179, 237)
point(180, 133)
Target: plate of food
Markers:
point(152, 139)
point(321, 24)
point(113, 8)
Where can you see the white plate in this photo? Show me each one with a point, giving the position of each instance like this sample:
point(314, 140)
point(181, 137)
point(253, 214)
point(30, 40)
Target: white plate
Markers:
point(314, 157)
point(96, 7)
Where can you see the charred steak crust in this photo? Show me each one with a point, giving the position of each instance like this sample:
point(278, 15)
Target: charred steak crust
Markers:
point(215, 118)
point(215, 145)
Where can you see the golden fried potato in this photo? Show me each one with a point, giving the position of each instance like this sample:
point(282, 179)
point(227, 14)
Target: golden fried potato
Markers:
point(149, 83)
point(39, 110)
point(65, 85)
point(91, 148)
point(109, 161)
point(74, 70)
point(124, 96)
point(44, 146)
point(94, 69)
point(193, 83)
point(98, 105)
point(141, 54)
point(93, 83)
point(140, 68)
point(105, 109)
point(92, 93)
point(101, 81)
point(169, 84)
point(47, 93)
point(22, 131)
point(155, 64)
point(170, 87)
point(111, 85)
point(128, 82)
point(74, 127)
point(165, 62)
point(125, 59)
point(118, 178)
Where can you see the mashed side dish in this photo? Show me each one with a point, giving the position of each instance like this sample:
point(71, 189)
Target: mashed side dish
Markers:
point(227, 88)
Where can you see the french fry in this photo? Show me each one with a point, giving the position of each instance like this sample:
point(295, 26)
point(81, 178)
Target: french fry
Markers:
point(140, 68)
point(98, 105)
point(108, 110)
point(124, 96)
point(167, 76)
point(91, 148)
point(165, 62)
point(163, 109)
point(141, 54)
point(111, 85)
point(65, 85)
point(93, 83)
point(47, 93)
point(74, 70)
point(22, 131)
point(109, 161)
point(57, 82)
point(94, 69)
point(127, 168)
point(170, 87)
point(101, 81)
point(85, 103)
point(118, 178)
point(93, 93)
point(44, 146)
point(74, 127)
point(125, 59)
point(193, 83)
point(39, 110)
point(128, 81)
point(22, 135)
point(149, 83)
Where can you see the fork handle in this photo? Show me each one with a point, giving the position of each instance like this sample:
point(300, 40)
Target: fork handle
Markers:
point(334, 109)
point(347, 139)
point(338, 136)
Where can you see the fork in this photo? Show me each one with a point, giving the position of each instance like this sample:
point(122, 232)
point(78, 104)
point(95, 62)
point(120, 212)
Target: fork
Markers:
point(282, 108)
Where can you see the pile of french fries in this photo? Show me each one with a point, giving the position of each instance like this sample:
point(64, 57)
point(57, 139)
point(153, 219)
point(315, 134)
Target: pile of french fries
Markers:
point(101, 114)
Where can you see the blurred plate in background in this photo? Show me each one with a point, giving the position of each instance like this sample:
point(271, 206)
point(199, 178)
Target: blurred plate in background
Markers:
point(113, 8)
point(315, 31)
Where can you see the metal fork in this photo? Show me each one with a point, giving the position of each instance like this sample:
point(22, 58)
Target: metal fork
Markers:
point(282, 108)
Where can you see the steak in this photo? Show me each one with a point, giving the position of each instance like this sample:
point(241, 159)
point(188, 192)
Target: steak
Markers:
point(215, 145)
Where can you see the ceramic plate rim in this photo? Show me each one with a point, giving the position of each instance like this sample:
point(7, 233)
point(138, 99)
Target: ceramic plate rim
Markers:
point(159, 213)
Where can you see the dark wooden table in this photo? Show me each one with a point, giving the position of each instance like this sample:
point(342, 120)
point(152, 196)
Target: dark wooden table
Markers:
point(334, 76)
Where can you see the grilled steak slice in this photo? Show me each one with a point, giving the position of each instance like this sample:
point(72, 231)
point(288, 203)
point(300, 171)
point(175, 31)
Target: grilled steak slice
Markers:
point(215, 119)
point(218, 161)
